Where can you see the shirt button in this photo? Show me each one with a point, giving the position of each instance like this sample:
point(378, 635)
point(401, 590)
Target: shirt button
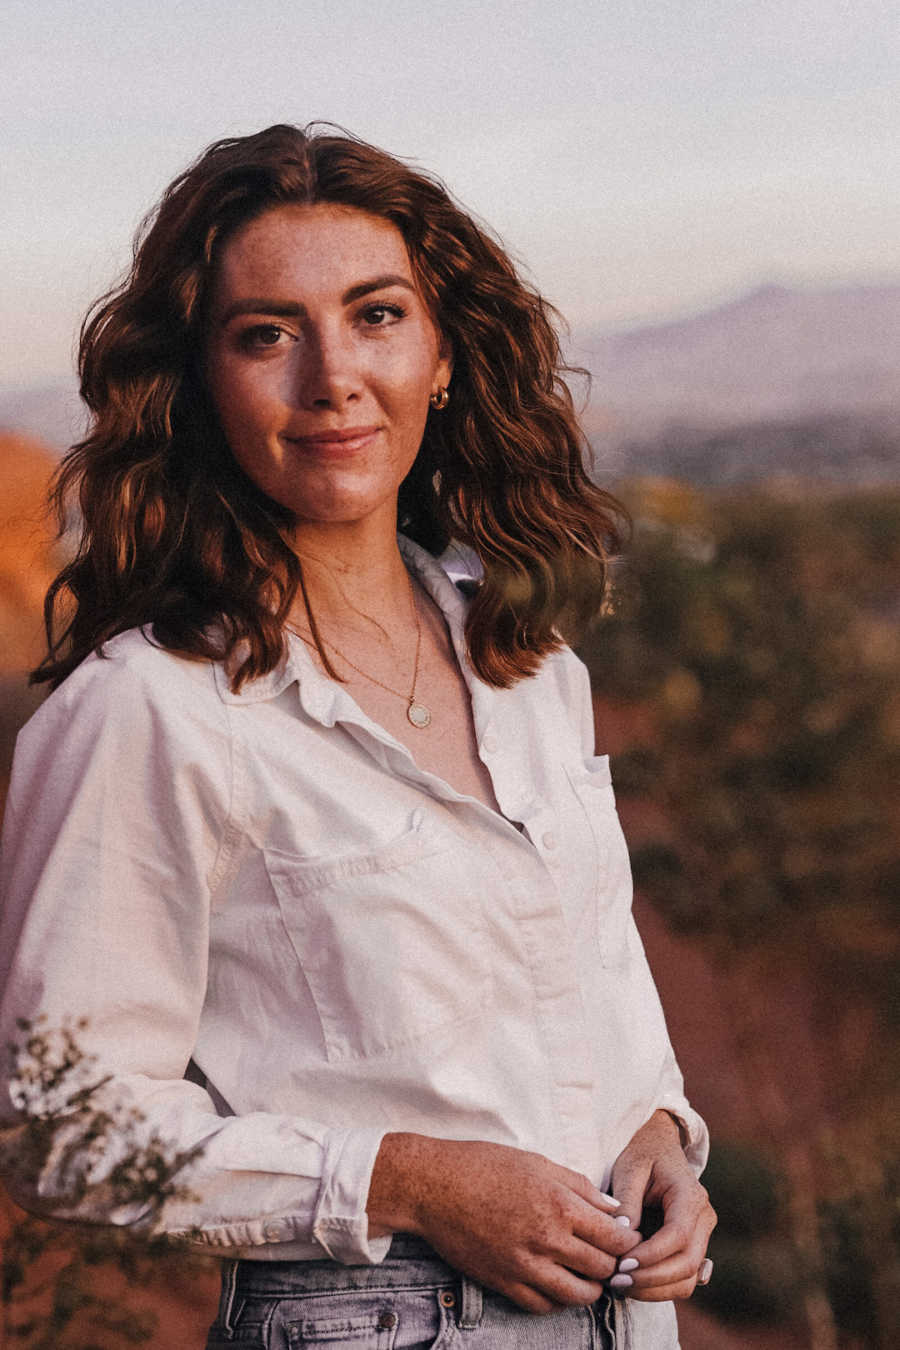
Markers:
point(548, 840)
point(273, 1231)
point(490, 743)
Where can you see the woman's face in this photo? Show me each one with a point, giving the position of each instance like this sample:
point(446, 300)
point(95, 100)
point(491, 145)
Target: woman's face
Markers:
point(321, 357)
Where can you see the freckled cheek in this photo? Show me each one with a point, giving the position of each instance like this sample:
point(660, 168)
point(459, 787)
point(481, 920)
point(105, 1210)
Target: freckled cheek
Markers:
point(408, 395)
point(247, 410)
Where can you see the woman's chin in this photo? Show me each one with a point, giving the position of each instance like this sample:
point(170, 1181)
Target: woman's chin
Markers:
point(344, 510)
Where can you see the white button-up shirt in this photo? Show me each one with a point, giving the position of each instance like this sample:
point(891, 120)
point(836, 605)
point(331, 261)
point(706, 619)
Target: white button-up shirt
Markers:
point(262, 891)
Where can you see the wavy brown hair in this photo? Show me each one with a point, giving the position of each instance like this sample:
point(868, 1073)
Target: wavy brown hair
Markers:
point(175, 536)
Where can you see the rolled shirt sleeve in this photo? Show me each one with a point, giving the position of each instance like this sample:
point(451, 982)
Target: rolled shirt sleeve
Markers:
point(117, 832)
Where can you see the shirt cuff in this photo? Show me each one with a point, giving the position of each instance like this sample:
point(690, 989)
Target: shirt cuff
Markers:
point(694, 1134)
point(340, 1222)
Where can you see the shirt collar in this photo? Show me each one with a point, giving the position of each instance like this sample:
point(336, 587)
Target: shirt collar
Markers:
point(323, 698)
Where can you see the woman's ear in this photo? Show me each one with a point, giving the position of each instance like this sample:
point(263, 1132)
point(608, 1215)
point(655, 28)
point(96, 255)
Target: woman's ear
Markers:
point(444, 370)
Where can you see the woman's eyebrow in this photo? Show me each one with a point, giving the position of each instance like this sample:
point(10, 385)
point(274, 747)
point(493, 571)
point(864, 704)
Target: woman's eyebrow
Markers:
point(282, 309)
point(376, 284)
point(290, 309)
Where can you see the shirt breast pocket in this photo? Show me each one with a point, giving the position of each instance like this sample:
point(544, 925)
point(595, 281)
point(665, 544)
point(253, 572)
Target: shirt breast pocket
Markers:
point(592, 784)
point(391, 941)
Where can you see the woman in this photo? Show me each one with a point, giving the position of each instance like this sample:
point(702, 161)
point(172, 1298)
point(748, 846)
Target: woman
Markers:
point(314, 838)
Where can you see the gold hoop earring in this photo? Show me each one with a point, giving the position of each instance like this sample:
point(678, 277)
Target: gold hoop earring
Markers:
point(440, 398)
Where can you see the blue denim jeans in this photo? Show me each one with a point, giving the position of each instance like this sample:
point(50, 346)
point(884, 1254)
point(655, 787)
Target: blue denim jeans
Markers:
point(412, 1301)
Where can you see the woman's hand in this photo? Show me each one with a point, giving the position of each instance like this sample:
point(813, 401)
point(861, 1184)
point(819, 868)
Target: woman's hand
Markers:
point(652, 1170)
point(538, 1233)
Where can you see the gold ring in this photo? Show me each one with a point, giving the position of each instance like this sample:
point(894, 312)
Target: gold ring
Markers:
point(705, 1272)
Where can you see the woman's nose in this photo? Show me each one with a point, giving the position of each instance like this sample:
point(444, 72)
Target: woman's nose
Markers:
point(329, 373)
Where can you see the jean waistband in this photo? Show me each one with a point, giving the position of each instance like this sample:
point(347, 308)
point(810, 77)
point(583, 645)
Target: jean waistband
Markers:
point(411, 1263)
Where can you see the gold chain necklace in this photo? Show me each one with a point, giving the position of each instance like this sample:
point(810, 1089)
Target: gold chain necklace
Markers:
point(416, 712)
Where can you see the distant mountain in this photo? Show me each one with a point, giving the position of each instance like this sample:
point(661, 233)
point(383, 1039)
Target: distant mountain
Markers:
point(788, 383)
point(776, 353)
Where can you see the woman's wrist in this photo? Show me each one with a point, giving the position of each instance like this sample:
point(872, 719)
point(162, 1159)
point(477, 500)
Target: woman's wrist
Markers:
point(396, 1183)
point(668, 1117)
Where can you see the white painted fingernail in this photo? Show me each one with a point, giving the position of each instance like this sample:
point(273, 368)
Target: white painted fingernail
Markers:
point(610, 1199)
point(621, 1281)
point(628, 1263)
point(624, 1220)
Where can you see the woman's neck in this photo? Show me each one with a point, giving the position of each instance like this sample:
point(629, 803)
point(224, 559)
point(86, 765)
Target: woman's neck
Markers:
point(354, 577)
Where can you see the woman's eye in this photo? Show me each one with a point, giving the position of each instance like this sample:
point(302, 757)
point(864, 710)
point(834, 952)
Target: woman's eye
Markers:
point(262, 335)
point(379, 316)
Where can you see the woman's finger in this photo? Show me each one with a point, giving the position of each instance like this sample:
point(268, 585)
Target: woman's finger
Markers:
point(678, 1269)
point(527, 1298)
point(689, 1219)
point(605, 1232)
point(568, 1290)
point(588, 1260)
point(631, 1188)
point(561, 1286)
point(583, 1186)
point(661, 1293)
point(673, 1238)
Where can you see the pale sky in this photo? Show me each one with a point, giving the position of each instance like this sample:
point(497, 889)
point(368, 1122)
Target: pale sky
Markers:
point(640, 160)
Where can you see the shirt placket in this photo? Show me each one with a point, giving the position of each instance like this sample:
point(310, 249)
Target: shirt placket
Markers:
point(534, 891)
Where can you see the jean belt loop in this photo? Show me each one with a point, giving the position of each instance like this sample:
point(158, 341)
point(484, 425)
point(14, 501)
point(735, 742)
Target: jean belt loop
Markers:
point(227, 1296)
point(471, 1304)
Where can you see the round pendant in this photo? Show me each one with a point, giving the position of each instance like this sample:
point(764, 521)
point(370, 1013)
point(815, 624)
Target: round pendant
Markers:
point(419, 715)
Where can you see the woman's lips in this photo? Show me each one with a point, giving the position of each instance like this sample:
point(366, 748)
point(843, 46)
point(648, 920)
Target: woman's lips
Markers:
point(335, 444)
